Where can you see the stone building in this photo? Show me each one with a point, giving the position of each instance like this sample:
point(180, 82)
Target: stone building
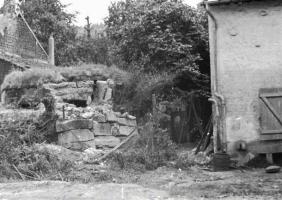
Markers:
point(246, 71)
point(19, 47)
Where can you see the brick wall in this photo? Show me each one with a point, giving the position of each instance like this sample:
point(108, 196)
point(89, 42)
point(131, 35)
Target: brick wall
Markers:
point(17, 39)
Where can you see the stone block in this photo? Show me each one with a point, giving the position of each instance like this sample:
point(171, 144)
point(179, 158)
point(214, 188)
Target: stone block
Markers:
point(126, 130)
point(73, 125)
point(99, 118)
point(77, 139)
point(111, 117)
point(107, 141)
point(55, 86)
point(273, 169)
point(102, 129)
point(127, 122)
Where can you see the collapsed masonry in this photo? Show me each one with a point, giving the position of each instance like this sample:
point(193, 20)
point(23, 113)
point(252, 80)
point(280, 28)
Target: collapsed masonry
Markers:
point(86, 119)
point(86, 116)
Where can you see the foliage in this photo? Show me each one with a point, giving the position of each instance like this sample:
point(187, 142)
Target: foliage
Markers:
point(20, 157)
point(187, 159)
point(37, 76)
point(30, 78)
point(153, 149)
point(48, 17)
point(156, 35)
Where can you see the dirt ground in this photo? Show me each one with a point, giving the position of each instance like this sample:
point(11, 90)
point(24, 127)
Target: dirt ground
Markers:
point(163, 183)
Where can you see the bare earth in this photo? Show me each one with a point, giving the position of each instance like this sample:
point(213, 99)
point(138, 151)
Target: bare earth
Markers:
point(164, 183)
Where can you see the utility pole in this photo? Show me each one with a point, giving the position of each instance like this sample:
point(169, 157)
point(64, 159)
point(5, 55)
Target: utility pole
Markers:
point(88, 27)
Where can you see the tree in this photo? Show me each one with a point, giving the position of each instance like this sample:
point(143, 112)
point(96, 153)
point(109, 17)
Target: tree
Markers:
point(49, 16)
point(157, 35)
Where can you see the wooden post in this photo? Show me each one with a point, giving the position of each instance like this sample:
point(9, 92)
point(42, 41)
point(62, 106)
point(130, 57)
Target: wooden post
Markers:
point(88, 27)
point(51, 50)
point(64, 115)
point(269, 158)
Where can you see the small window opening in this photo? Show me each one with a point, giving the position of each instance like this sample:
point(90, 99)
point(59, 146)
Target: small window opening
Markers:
point(76, 102)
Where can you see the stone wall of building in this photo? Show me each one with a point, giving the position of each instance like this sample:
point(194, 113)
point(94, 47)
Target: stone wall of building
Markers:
point(249, 46)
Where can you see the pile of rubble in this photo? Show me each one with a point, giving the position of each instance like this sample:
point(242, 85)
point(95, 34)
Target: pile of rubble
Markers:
point(85, 113)
point(86, 116)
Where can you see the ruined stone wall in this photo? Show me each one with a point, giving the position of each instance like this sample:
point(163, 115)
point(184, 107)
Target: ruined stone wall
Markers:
point(249, 46)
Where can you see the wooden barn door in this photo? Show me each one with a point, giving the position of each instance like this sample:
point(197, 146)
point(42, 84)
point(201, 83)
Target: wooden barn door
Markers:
point(271, 113)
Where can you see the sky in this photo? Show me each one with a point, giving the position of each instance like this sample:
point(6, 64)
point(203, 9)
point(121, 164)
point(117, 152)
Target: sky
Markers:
point(97, 10)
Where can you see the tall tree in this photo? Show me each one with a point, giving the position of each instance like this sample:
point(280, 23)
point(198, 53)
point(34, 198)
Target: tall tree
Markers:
point(157, 35)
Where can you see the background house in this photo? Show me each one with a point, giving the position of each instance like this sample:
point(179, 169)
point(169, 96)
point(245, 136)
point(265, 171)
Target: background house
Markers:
point(19, 47)
point(246, 54)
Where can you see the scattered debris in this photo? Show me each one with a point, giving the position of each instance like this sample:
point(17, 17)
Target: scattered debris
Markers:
point(273, 169)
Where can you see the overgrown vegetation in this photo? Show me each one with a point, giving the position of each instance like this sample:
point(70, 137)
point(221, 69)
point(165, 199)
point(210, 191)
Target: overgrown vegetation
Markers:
point(160, 48)
point(157, 35)
point(50, 17)
point(20, 158)
point(153, 149)
point(36, 76)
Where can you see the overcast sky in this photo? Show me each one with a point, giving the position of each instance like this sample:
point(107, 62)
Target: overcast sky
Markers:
point(97, 10)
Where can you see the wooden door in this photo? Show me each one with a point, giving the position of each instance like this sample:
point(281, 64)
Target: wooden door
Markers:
point(271, 113)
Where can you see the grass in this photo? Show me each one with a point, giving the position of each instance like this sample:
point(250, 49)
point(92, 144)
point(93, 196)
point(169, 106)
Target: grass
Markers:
point(37, 76)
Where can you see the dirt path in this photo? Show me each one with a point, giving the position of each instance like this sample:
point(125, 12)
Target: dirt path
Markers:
point(164, 183)
point(71, 191)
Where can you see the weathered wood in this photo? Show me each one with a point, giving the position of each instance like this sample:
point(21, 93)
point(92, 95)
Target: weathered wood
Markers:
point(272, 109)
point(269, 158)
point(271, 137)
point(271, 94)
point(271, 114)
point(271, 132)
point(264, 147)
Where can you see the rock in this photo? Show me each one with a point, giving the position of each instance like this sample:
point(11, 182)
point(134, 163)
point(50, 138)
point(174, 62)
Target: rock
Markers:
point(60, 85)
point(77, 139)
point(111, 83)
point(107, 141)
point(89, 100)
point(102, 129)
point(41, 107)
point(111, 116)
point(87, 115)
point(273, 169)
point(89, 155)
point(131, 117)
point(73, 125)
point(124, 115)
point(115, 130)
point(108, 94)
point(126, 130)
point(99, 117)
point(127, 122)
point(58, 152)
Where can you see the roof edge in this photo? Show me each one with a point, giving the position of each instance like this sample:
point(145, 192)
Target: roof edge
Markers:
point(221, 2)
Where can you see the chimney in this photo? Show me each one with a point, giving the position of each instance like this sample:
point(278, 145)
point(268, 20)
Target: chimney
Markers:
point(51, 50)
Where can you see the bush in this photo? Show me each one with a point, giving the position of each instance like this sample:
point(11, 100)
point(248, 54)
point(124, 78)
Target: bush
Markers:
point(187, 159)
point(21, 158)
point(153, 149)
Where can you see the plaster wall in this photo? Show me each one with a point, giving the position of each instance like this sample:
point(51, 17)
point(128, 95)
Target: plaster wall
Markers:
point(249, 56)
